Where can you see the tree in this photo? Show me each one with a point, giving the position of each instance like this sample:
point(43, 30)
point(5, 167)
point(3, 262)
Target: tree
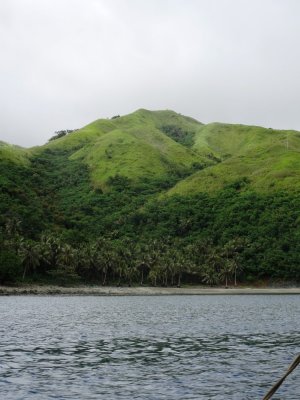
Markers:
point(51, 248)
point(210, 276)
point(213, 266)
point(30, 255)
point(226, 270)
point(127, 261)
point(232, 253)
point(13, 235)
point(143, 260)
point(62, 133)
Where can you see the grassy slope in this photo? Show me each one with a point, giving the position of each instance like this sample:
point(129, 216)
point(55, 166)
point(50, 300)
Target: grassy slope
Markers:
point(136, 146)
point(132, 146)
point(14, 161)
point(14, 154)
point(259, 154)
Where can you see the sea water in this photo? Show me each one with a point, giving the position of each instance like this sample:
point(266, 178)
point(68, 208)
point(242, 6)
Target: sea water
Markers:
point(155, 347)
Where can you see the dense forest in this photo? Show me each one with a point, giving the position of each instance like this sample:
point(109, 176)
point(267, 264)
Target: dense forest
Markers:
point(61, 223)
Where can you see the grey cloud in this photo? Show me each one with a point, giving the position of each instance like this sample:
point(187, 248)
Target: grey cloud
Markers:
point(65, 63)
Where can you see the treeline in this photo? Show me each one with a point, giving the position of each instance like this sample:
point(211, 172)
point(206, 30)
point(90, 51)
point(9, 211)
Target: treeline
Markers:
point(105, 261)
point(56, 202)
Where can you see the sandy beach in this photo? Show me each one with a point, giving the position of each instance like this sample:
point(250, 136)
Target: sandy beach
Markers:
point(138, 291)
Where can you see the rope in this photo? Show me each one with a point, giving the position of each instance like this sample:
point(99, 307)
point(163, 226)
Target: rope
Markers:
point(277, 385)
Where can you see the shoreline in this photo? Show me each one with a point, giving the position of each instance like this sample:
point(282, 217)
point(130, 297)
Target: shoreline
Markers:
point(46, 290)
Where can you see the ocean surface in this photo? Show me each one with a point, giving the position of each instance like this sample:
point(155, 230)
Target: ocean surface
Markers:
point(174, 347)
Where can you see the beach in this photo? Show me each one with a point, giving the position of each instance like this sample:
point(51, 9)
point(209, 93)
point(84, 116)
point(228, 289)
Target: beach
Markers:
point(85, 290)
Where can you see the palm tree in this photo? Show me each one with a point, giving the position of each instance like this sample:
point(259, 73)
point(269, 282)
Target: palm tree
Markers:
point(226, 270)
point(210, 276)
point(67, 260)
point(153, 275)
point(91, 261)
point(180, 267)
point(212, 267)
point(157, 262)
point(30, 255)
point(143, 260)
point(174, 264)
point(108, 260)
point(231, 251)
point(127, 260)
point(67, 255)
point(12, 232)
point(51, 248)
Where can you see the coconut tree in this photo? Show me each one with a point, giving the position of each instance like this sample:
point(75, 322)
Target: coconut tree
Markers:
point(143, 260)
point(67, 255)
point(107, 262)
point(79, 260)
point(51, 248)
point(181, 265)
point(67, 260)
point(173, 265)
point(226, 270)
point(91, 261)
point(157, 262)
point(198, 257)
point(30, 255)
point(212, 267)
point(12, 234)
point(127, 260)
point(120, 268)
point(232, 251)
point(153, 275)
point(210, 276)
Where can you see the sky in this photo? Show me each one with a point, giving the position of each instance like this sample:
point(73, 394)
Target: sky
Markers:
point(66, 63)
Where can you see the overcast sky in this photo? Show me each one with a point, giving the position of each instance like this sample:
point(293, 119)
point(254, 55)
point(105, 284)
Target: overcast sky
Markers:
point(65, 63)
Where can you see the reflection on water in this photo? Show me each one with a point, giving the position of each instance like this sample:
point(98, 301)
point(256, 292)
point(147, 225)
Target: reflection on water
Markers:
point(181, 347)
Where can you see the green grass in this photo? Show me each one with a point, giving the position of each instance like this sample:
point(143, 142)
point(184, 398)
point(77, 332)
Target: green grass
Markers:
point(14, 154)
point(261, 155)
point(157, 144)
point(133, 146)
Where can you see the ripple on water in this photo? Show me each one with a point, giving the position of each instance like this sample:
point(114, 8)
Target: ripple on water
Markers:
point(185, 347)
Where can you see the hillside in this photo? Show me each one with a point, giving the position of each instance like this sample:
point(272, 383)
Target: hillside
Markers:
point(14, 154)
point(135, 146)
point(253, 157)
point(150, 145)
point(196, 198)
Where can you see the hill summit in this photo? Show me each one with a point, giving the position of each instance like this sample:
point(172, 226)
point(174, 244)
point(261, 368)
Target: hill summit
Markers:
point(155, 144)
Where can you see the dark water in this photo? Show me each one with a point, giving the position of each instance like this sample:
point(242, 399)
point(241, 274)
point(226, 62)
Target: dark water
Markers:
point(179, 347)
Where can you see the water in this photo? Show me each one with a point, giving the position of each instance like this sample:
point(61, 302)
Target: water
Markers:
point(178, 347)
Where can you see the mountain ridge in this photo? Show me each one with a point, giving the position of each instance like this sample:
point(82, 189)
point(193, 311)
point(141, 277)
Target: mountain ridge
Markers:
point(147, 144)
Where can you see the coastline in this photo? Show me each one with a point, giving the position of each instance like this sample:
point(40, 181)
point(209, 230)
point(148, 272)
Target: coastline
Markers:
point(46, 290)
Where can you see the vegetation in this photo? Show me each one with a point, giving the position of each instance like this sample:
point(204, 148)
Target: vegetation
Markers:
point(60, 134)
point(152, 198)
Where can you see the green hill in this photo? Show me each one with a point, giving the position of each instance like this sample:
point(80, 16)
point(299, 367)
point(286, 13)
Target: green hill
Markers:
point(14, 154)
point(253, 157)
point(134, 146)
point(164, 180)
point(157, 144)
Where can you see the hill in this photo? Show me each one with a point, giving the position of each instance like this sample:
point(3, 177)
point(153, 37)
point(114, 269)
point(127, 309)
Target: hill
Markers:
point(156, 193)
point(14, 154)
point(257, 158)
point(136, 146)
